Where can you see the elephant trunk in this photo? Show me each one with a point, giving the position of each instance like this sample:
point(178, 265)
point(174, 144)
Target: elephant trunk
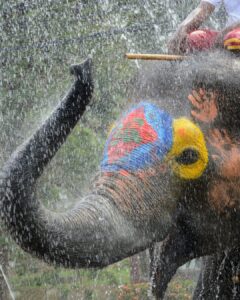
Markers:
point(36, 152)
point(94, 233)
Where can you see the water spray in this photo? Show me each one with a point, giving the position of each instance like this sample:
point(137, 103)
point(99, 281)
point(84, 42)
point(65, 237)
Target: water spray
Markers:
point(7, 283)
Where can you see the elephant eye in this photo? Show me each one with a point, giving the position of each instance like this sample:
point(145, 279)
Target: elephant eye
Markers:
point(187, 157)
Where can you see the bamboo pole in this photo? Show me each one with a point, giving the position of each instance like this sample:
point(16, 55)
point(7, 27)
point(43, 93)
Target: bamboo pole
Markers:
point(167, 57)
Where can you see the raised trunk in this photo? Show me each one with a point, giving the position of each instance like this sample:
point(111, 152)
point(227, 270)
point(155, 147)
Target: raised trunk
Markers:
point(94, 233)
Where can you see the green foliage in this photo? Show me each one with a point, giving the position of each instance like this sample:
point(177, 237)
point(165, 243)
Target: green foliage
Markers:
point(110, 283)
point(67, 280)
point(181, 288)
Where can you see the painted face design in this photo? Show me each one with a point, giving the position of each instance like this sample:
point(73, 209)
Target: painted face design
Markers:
point(147, 136)
point(141, 137)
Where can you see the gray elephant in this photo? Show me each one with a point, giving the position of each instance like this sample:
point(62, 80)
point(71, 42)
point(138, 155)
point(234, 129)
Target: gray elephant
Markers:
point(161, 175)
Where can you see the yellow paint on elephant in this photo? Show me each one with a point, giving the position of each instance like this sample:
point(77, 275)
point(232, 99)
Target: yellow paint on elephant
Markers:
point(187, 135)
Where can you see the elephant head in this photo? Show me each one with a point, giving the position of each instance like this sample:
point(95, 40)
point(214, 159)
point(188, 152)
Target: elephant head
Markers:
point(155, 169)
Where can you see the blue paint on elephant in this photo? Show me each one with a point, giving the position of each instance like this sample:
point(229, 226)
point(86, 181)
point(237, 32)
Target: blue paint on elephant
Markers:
point(142, 137)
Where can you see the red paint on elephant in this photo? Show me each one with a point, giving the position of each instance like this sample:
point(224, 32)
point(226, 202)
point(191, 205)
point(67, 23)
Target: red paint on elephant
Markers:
point(133, 132)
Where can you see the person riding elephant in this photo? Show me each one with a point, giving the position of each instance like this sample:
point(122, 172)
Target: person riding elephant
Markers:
point(211, 107)
point(189, 37)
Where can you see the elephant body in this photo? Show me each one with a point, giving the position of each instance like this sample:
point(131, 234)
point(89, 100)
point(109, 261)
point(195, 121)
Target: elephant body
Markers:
point(163, 176)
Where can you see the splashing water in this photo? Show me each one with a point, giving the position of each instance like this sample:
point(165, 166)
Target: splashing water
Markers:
point(7, 283)
point(41, 38)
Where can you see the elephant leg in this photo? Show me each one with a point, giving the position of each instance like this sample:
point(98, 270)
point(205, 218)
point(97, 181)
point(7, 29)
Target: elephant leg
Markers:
point(167, 257)
point(220, 276)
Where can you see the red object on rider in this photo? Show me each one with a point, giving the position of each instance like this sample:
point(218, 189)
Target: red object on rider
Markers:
point(232, 40)
point(202, 39)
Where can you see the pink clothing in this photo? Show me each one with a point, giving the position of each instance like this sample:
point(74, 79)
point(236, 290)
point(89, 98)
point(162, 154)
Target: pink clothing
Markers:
point(202, 39)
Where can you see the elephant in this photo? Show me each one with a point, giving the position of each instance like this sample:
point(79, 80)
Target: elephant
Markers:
point(165, 176)
point(220, 272)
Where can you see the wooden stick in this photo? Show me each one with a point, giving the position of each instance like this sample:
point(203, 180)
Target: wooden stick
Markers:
point(168, 57)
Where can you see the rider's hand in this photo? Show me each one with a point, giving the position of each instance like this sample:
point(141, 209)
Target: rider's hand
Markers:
point(204, 105)
point(178, 42)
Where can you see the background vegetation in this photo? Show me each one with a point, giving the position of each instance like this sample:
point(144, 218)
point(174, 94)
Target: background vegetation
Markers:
point(39, 40)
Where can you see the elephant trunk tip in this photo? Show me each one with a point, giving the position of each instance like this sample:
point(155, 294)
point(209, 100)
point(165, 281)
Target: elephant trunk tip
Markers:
point(83, 70)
